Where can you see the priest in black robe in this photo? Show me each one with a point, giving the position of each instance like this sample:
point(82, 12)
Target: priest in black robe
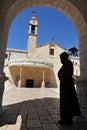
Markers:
point(69, 105)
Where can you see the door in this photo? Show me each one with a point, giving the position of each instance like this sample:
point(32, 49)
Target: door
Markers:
point(29, 83)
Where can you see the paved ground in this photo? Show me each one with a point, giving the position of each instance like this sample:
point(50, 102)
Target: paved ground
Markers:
point(34, 109)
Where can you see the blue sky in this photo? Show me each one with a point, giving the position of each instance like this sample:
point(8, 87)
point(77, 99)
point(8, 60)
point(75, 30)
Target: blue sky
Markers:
point(52, 23)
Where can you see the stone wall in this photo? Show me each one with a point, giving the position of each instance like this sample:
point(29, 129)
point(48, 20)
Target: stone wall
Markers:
point(33, 72)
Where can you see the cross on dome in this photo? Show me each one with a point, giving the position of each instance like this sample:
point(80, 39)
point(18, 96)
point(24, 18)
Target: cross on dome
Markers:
point(53, 39)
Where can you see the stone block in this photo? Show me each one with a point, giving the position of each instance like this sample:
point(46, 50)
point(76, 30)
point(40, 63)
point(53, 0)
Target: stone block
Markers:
point(33, 123)
point(51, 126)
point(46, 119)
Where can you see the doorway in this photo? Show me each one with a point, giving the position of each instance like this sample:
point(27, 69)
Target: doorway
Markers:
point(29, 83)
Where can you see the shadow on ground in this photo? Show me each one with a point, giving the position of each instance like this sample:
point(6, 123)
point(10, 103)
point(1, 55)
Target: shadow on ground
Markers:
point(38, 114)
point(34, 113)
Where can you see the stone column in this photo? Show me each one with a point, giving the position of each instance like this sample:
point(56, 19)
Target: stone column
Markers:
point(81, 81)
point(3, 40)
point(2, 75)
point(82, 95)
point(20, 78)
point(43, 81)
point(3, 78)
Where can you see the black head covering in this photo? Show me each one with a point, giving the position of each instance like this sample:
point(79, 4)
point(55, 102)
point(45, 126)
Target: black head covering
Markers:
point(64, 54)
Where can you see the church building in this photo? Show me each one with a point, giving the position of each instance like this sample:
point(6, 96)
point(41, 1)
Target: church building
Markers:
point(38, 65)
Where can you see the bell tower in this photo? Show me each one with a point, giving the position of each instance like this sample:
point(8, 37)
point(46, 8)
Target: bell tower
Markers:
point(32, 35)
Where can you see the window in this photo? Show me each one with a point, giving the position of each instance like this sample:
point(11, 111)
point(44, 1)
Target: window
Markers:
point(6, 55)
point(51, 51)
point(75, 63)
point(33, 29)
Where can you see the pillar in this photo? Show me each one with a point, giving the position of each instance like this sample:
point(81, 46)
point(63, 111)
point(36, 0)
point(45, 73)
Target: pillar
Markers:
point(43, 81)
point(81, 81)
point(3, 78)
point(20, 79)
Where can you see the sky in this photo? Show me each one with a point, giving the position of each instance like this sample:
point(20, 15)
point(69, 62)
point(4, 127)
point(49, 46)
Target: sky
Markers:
point(51, 24)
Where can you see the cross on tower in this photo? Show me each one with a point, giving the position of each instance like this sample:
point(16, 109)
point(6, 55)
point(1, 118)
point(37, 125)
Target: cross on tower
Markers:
point(34, 13)
point(53, 39)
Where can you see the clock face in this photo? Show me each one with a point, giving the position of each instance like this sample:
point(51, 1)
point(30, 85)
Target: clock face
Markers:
point(33, 22)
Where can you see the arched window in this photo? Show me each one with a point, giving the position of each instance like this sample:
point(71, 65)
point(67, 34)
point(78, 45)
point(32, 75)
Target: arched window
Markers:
point(33, 29)
point(51, 49)
point(6, 55)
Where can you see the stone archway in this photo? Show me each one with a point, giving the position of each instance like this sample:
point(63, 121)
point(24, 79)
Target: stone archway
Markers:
point(74, 10)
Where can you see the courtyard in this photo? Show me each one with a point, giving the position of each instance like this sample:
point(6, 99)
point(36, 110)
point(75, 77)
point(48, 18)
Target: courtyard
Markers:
point(34, 109)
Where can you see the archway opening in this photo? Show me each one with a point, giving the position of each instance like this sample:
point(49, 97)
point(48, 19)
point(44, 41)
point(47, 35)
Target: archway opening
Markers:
point(53, 25)
point(53, 28)
point(71, 9)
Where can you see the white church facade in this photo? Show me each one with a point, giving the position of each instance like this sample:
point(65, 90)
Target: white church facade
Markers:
point(38, 65)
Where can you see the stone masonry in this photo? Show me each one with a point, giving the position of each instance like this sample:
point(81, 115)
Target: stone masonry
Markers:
point(75, 10)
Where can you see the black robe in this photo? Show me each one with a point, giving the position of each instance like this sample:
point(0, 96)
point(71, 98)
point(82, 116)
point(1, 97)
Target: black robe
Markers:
point(69, 105)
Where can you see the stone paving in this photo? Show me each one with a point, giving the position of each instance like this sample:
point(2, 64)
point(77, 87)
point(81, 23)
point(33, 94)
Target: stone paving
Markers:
point(34, 109)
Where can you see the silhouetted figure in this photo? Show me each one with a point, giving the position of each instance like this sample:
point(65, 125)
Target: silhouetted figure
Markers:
point(69, 105)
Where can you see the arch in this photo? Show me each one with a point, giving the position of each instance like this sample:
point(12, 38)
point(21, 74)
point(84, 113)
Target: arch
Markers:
point(64, 6)
point(71, 10)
